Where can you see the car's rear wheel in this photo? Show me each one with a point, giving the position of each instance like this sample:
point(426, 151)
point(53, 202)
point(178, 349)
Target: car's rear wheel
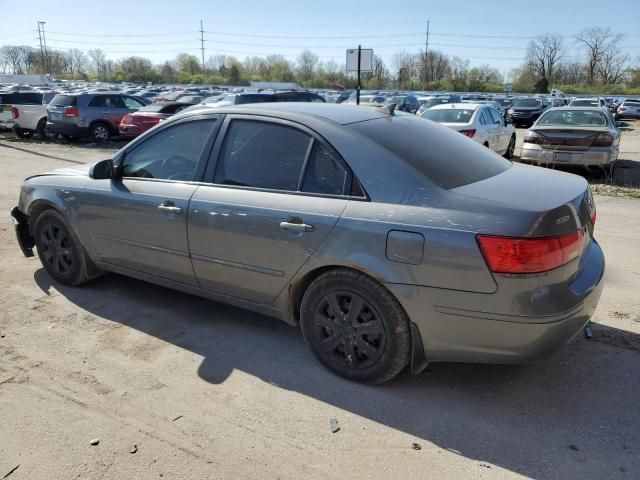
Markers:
point(41, 129)
point(22, 133)
point(60, 251)
point(511, 148)
point(355, 327)
point(100, 132)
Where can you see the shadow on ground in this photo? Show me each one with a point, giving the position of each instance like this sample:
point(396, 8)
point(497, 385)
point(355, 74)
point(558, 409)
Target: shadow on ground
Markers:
point(574, 416)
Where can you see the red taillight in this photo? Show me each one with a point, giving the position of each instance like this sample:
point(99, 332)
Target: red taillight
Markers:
point(126, 119)
point(603, 140)
point(15, 113)
point(71, 112)
point(529, 255)
point(533, 137)
point(468, 133)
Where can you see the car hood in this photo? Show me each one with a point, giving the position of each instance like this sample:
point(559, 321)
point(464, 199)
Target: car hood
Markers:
point(75, 171)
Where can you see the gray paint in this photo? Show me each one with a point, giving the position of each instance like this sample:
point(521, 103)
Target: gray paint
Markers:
point(228, 245)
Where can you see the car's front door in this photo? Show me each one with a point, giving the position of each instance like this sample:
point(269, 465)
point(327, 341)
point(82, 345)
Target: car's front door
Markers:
point(139, 220)
point(501, 134)
point(275, 194)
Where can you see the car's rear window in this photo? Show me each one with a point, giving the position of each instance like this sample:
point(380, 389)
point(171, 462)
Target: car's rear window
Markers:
point(449, 115)
point(63, 101)
point(444, 156)
point(584, 103)
point(525, 102)
point(578, 118)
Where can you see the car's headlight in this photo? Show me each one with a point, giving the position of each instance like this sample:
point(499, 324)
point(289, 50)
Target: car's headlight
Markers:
point(510, 110)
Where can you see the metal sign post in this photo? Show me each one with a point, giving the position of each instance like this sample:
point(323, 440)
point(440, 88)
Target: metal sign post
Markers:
point(360, 60)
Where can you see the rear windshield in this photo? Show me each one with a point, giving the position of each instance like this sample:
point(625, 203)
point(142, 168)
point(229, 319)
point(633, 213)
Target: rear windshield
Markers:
point(578, 118)
point(525, 102)
point(152, 108)
point(442, 155)
point(63, 101)
point(585, 103)
point(257, 98)
point(446, 115)
point(21, 98)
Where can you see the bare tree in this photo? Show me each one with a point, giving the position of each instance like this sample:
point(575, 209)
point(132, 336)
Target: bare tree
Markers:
point(307, 64)
point(458, 73)
point(544, 54)
point(612, 66)
point(405, 67)
point(332, 70)
point(99, 60)
point(598, 42)
point(12, 57)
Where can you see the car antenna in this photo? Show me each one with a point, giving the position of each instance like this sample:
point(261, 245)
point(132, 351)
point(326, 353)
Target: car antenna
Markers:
point(388, 108)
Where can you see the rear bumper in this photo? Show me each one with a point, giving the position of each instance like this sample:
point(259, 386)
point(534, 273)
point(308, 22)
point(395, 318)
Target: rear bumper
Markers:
point(67, 129)
point(457, 326)
point(25, 240)
point(130, 130)
point(594, 156)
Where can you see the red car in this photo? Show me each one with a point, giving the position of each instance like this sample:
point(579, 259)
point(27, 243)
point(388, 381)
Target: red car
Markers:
point(142, 120)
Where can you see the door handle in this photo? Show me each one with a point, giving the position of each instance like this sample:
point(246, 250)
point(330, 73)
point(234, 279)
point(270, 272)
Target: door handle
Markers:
point(170, 208)
point(297, 227)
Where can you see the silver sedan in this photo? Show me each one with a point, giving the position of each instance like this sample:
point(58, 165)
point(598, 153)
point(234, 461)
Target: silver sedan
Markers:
point(389, 239)
point(586, 136)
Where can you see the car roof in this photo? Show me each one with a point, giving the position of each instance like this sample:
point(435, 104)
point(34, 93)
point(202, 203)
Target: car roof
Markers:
point(338, 113)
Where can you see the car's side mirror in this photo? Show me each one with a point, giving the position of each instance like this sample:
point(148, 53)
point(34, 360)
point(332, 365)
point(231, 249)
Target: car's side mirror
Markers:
point(103, 170)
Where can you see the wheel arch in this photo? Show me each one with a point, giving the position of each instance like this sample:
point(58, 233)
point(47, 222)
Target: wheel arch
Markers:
point(103, 122)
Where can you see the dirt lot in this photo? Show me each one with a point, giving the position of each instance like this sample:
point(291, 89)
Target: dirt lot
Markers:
point(174, 386)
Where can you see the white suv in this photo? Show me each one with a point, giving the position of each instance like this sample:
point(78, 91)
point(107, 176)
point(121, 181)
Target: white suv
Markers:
point(481, 122)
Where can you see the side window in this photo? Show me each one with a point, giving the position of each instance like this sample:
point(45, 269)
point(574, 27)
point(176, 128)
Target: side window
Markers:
point(324, 173)
point(115, 101)
point(131, 103)
point(495, 116)
point(99, 101)
point(483, 119)
point(263, 155)
point(171, 154)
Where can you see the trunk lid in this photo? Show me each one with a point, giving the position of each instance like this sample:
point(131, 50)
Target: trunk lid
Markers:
point(574, 138)
point(537, 201)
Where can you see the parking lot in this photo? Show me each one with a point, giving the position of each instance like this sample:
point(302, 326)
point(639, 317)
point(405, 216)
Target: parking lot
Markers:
point(175, 386)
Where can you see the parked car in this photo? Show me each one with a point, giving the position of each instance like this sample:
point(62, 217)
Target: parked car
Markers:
point(295, 96)
point(133, 124)
point(9, 99)
point(191, 99)
point(244, 98)
point(405, 103)
point(598, 102)
point(480, 122)
point(95, 115)
point(628, 109)
point(428, 102)
point(586, 136)
point(302, 212)
point(525, 110)
point(29, 118)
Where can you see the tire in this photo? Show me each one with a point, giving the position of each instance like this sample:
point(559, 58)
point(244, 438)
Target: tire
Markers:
point(511, 148)
point(60, 250)
point(22, 133)
point(100, 132)
point(41, 129)
point(374, 346)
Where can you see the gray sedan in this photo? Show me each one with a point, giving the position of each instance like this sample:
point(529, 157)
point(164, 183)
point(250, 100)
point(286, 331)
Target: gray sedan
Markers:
point(389, 239)
point(586, 136)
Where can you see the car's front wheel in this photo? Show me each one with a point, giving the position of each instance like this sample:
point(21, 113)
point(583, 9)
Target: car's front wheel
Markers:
point(355, 327)
point(60, 251)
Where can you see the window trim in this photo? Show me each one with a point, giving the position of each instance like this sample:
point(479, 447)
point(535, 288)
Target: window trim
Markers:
point(216, 152)
point(201, 163)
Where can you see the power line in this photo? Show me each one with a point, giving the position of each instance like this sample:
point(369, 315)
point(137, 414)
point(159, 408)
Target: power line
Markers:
point(165, 34)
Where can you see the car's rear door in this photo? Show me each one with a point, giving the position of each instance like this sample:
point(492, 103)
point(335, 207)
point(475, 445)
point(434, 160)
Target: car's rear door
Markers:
point(139, 220)
point(275, 193)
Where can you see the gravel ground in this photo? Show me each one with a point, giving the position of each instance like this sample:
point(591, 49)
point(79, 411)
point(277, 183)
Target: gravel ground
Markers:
point(196, 389)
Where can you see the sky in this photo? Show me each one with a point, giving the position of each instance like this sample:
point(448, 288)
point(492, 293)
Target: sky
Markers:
point(485, 31)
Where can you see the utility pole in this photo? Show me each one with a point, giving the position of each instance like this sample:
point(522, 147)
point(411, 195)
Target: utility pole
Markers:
point(44, 69)
point(426, 49)
point(44, 43)
point(202, 44)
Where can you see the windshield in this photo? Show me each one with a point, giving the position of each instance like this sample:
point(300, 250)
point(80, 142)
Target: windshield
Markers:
point(434, 101)
point(526, 102)
point(577, 118)
point(446, 115)
point(585, 103)
point(152, 108)
point(63, 101)
point(437, 152)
